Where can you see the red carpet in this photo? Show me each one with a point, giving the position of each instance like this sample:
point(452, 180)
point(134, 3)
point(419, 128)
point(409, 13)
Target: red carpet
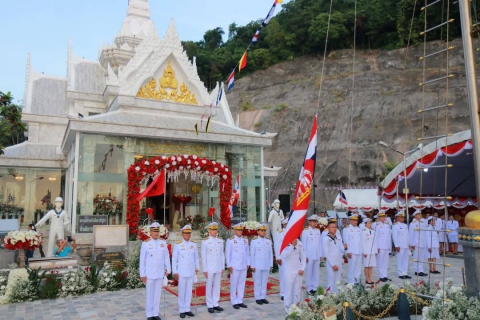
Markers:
point(198, 292)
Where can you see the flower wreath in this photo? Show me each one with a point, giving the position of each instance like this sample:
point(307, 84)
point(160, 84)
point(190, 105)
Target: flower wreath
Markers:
point(175, 165)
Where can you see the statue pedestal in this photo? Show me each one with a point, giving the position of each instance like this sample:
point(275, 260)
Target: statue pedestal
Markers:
point(470, 240)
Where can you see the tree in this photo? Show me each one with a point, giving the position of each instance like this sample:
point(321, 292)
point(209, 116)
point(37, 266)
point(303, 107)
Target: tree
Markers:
point(12, 129)
point(213, 38)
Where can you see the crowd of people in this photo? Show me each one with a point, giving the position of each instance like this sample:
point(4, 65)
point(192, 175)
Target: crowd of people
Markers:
point(367, 241)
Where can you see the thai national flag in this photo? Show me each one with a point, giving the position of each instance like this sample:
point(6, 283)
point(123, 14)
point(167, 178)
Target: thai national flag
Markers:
point(303, 191)
point(230, 81)
point(342, 198)
point(255, 36)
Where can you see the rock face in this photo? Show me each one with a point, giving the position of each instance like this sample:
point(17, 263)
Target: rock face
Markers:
point(384, 106)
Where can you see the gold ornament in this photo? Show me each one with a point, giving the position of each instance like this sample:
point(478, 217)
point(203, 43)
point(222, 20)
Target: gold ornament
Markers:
point(196, 188)
point(167, 81)
point(472, 219)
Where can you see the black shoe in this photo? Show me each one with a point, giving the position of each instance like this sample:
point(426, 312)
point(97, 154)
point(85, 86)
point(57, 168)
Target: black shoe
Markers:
point(157, 318)
point(281, 298)
point(408, 277)
point(182, 315)
point(383, 279)
point(259, 301)
point(435, 272)
point(402, 277)
point(311, 292)
point(218, 309)
point(236, 306)
point(242, 305)
point(421, 274)
point(210, 310)
point(190, 314)
point(264, 301)
point(151, 318)
point(369, 283)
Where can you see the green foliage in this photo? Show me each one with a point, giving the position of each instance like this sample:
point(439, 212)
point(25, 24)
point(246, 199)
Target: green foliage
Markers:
point(247, 106)
point(92, 274)
point(280, 107)
point(300, 28)
point(12, 128)
point(387, 166)
point(50, 287)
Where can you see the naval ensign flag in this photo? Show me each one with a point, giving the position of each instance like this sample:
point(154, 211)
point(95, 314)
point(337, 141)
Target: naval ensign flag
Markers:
point(303, 190)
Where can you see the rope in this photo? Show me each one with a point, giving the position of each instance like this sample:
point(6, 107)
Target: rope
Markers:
point(324, 56)
point(378, 316)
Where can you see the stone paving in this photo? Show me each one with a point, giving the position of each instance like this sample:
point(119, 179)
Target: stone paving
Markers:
point(130, 304)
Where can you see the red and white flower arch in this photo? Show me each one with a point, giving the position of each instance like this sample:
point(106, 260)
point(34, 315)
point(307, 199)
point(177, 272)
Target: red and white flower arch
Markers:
point(198, 168)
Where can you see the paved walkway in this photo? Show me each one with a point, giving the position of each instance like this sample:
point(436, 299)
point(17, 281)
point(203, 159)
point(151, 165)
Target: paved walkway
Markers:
point(130, 304)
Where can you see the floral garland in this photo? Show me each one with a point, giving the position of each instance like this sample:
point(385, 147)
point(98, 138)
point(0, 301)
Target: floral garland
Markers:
point(198, 168)
point(16, 240)
point(250, 228)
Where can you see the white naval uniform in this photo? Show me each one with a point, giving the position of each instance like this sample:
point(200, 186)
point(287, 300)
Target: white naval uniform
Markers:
point(185, 262)
point(154, 261)
point(453, 234)
point(237, 256)
point(275, 219)
point(369, 248)
point(261, 259)
point(432, 242)
point(213, 262)
point(352, 237)
point(440, 225)
point(417, 240)
point(338, 234)
point(383, 237)
point(294, 260)
point(277, 241)
point(312, 245)
point(400, 240)
point(333, 251)
point(58, 221)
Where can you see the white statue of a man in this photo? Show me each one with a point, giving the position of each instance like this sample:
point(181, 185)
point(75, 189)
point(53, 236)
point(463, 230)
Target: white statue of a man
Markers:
point(275, 217)
point(58, 221)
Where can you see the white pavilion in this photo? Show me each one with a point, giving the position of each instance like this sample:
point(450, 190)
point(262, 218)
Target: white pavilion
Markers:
point(141, 99)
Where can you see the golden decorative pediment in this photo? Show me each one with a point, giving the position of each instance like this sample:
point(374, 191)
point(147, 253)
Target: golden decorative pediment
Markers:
point(168, 90)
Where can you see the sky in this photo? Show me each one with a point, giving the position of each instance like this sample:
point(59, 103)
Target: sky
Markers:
point(42, 28)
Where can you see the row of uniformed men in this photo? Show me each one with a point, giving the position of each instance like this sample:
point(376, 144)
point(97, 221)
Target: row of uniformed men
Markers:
point(370, 242)
point(238, 257)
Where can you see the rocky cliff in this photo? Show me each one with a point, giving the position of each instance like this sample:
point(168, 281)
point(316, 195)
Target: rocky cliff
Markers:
point(386, 99)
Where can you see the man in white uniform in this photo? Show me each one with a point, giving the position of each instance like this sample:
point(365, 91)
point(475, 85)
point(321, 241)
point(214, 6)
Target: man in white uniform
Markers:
point(58, 221)
point(294, 259)
point(275, 217)
point(237, 255)
point(213, 265)
point(185, 265)
point(154, 265)
point(261, 262)
point(401, 242)
point(333, 250)
point(312, 244)
point(383, 235)
point(417, 242)
point(352, 238)
point(277, 241)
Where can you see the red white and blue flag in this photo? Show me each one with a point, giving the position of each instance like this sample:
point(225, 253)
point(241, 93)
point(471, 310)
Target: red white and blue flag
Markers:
point(231, 81)
point(303, 191)
point(235, 196)
point(255, 36)
point(219, 95)
point(342, 198)
point(269, 15)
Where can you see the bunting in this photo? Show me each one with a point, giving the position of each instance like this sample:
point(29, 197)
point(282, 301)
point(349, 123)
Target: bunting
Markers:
point(231, 81)
point(219, 96)
point(269, 15)
point(255, 36)
point(243, 62)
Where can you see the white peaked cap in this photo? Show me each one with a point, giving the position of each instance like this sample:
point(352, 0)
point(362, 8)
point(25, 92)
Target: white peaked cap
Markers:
point(58, 199)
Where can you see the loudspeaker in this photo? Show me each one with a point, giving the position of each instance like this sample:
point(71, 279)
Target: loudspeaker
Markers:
point(284, 202)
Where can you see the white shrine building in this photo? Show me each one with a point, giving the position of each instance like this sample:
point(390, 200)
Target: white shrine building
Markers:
point(141, 99)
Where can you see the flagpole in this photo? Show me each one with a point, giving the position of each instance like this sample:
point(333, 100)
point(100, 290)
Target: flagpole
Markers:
point(164, 194)
point(240, 193)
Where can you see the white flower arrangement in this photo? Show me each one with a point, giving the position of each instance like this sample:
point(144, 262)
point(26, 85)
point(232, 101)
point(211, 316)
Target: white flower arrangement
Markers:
point(22, 239)
point(3, 280)
point(251, 225)
point(323, 221)
point(110, 279)
point(75, 283)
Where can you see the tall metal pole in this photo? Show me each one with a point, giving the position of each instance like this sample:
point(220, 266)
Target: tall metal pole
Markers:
point(470, 75)
point(406, 188)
